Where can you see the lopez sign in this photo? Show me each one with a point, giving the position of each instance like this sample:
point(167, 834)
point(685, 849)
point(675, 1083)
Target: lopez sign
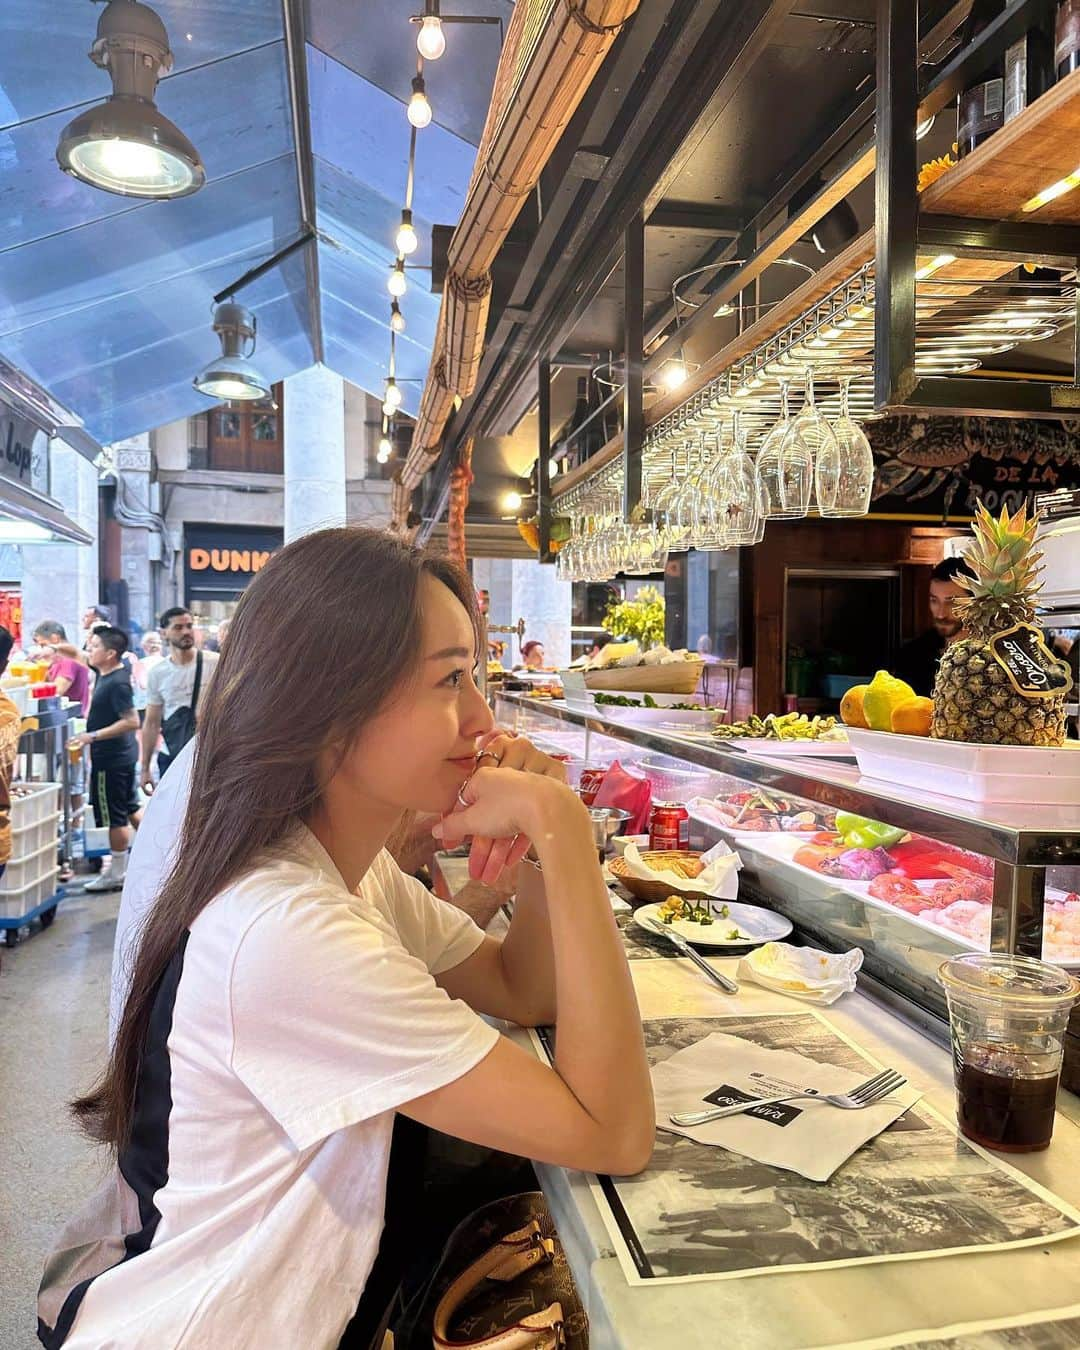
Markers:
point(22, 444)
point(219, 561)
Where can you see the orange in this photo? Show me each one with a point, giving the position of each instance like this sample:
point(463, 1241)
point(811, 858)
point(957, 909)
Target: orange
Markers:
point(912, 717)
point(852, 713)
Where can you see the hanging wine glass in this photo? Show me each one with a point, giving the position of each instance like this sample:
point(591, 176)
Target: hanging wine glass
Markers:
point(844, 476)
point(743, 504)
point(808, 435)
point(768, 463)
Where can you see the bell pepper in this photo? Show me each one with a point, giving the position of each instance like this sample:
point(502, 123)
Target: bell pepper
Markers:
point(860, 832)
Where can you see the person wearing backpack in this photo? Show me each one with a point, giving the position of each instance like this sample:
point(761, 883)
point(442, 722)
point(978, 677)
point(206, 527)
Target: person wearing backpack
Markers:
point(174, 689)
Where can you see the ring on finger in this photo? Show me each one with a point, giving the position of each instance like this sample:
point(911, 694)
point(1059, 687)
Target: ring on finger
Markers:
point(461, 794)
point(491, 755)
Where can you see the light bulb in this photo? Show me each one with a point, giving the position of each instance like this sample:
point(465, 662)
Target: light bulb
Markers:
point(431, 40)
point(512, 501)
point(397, 319)
point(553, 467)
point(674, 375)
point(406, 239)
point(419, 109)
point(395, 282)
point(393, 394)
point(385, 450)
point(389, 409)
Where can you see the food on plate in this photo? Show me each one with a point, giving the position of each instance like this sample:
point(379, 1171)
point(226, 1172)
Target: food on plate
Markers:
point(895, 890)
point(624, 655)
point(781, 727)
point(852, 712)
point(988, 691)
point(815, 856)
point(862, 832)
point(603, 700)
point(677, 907)
point(883, 694)
point(758, 812)
point(969, 918)
point(686, 865)
point(923, 859)
point(913, 717)
point(1061, 928)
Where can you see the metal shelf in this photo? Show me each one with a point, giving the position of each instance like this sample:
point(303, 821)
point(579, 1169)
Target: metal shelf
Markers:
point(1021, 835)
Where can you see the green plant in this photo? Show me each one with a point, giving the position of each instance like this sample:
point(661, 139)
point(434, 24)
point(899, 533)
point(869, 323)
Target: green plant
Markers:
point(641, 618)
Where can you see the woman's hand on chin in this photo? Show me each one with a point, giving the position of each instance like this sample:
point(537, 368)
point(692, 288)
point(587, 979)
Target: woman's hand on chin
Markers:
point(517, 796)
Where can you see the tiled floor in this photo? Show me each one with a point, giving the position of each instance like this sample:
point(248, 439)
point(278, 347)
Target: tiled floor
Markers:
point(53, 1012)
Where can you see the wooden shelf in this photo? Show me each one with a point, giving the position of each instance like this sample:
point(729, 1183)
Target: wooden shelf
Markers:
point(1028, 154)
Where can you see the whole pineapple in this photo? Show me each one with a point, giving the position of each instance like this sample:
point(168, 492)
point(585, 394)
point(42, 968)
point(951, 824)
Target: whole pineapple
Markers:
point(974, 699)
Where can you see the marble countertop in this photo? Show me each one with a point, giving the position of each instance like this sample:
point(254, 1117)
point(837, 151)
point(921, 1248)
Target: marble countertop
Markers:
point(791, 1310)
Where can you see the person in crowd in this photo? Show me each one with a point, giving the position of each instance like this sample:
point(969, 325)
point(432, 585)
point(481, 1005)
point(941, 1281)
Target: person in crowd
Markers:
point(532, 655)
point(110, 734)
point(292, 991)
point(600, 641)
point(917, 661)
point(71, 677)
point(174, 691)
point(151, 649)
point(10, 728)
point(214, 641)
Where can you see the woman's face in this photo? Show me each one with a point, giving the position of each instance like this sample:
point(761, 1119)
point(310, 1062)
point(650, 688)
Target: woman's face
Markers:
point(418, 751)
point(535, 657)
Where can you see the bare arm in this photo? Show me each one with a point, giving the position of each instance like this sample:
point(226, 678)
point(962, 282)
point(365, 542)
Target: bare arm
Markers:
point(150, 733)
point(128, 723)
point(594, 1109)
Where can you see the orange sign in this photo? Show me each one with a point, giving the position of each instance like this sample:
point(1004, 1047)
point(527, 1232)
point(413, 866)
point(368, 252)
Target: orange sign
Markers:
point(249, 560)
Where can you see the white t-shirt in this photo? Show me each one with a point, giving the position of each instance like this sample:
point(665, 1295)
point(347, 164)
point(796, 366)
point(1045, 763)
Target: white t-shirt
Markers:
point(149, 864)
point(170, 685)
point(301, 1017)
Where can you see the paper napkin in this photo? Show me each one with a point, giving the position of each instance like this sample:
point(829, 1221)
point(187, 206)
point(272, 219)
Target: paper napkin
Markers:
point(720, 877)
point(802, 972)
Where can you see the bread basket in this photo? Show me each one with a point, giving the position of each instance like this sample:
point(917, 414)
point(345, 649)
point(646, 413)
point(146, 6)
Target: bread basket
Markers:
point(649, 892)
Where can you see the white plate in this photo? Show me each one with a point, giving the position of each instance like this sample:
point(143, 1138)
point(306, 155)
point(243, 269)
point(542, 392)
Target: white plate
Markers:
point(759, 925)
point(768, 749)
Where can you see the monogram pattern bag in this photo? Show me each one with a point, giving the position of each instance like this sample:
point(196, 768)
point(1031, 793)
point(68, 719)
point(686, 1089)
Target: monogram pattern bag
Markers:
point(502, 1283)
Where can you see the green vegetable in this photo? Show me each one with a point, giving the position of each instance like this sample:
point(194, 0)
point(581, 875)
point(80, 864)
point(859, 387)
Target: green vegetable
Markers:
point(603, 700)
point(736, 936)
point(861, 832)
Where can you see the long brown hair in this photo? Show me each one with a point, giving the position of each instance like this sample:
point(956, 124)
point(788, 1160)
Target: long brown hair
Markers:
point(323, 636)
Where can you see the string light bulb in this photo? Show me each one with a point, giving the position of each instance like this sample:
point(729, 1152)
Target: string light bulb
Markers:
point(407, 240)
point(395, 282)
point(393, 393)
point(431, 40)
point(397, 319)
point(385, 449)
point(419, 109)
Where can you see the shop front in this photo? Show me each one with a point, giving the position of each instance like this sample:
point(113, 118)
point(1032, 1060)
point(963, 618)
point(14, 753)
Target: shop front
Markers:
point(219, 562)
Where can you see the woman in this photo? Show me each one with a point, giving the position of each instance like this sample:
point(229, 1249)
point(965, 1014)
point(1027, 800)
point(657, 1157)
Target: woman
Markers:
point(532, 655)
point(293, 990)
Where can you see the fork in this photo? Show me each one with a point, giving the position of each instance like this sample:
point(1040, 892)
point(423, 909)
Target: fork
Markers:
point(864, 1094)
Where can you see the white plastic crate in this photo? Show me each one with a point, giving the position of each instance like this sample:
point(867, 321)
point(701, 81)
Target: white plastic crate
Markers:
point(35, 805)
point(19, 695)
point(21, 871)
point(14, 904)
point(28, 839)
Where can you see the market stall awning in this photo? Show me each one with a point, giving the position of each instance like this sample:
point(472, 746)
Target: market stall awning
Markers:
point(43, 515)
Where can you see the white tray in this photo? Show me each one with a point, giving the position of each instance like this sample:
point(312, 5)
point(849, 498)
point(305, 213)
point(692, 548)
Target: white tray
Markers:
point(977, 773)
point(762, 748)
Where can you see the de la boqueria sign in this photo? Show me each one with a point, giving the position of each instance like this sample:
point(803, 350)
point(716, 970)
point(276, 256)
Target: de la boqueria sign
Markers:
point(219, 561)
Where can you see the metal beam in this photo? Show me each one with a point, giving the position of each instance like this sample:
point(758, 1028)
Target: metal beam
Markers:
point(963, 397)
point(676, 215)
point(1026, 239)
point(896, 204)
point(300, 109)
point(633, 392)
point(543, 454)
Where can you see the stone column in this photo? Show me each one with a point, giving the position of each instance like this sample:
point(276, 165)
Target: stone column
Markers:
point(61, 580)
point(314, 452)
point(545, 603)
point(133, 470)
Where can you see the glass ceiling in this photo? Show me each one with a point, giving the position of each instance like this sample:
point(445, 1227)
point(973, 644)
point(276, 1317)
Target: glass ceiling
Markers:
point(106, 301)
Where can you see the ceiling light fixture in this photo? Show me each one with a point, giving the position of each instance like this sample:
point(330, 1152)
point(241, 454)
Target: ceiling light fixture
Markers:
point(419, 109)
point(934, 265)
point(407, 239)
point(395, 282)
point(674, 375)
point(512, 501)
point(431, 40)
point(397, 319)
point(232, 375)
point(125, 145)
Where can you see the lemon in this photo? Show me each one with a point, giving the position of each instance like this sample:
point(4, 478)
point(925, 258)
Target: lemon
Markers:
point(884, 693)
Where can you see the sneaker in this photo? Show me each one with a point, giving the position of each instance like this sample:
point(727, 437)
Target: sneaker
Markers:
point(105, 882)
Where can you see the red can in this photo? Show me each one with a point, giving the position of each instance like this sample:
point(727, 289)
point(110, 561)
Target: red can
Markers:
point(669, 827)
point(589, 786)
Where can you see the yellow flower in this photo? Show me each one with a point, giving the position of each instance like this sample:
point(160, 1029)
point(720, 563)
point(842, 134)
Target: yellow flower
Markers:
point(933, 170)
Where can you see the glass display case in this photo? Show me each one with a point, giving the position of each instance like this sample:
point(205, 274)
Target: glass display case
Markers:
point(959, 877)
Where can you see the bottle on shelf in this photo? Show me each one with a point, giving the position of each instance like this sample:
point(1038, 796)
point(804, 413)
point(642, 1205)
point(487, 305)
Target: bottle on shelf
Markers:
point(1067, 38)
point(1029, 63)
point(980, 109)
